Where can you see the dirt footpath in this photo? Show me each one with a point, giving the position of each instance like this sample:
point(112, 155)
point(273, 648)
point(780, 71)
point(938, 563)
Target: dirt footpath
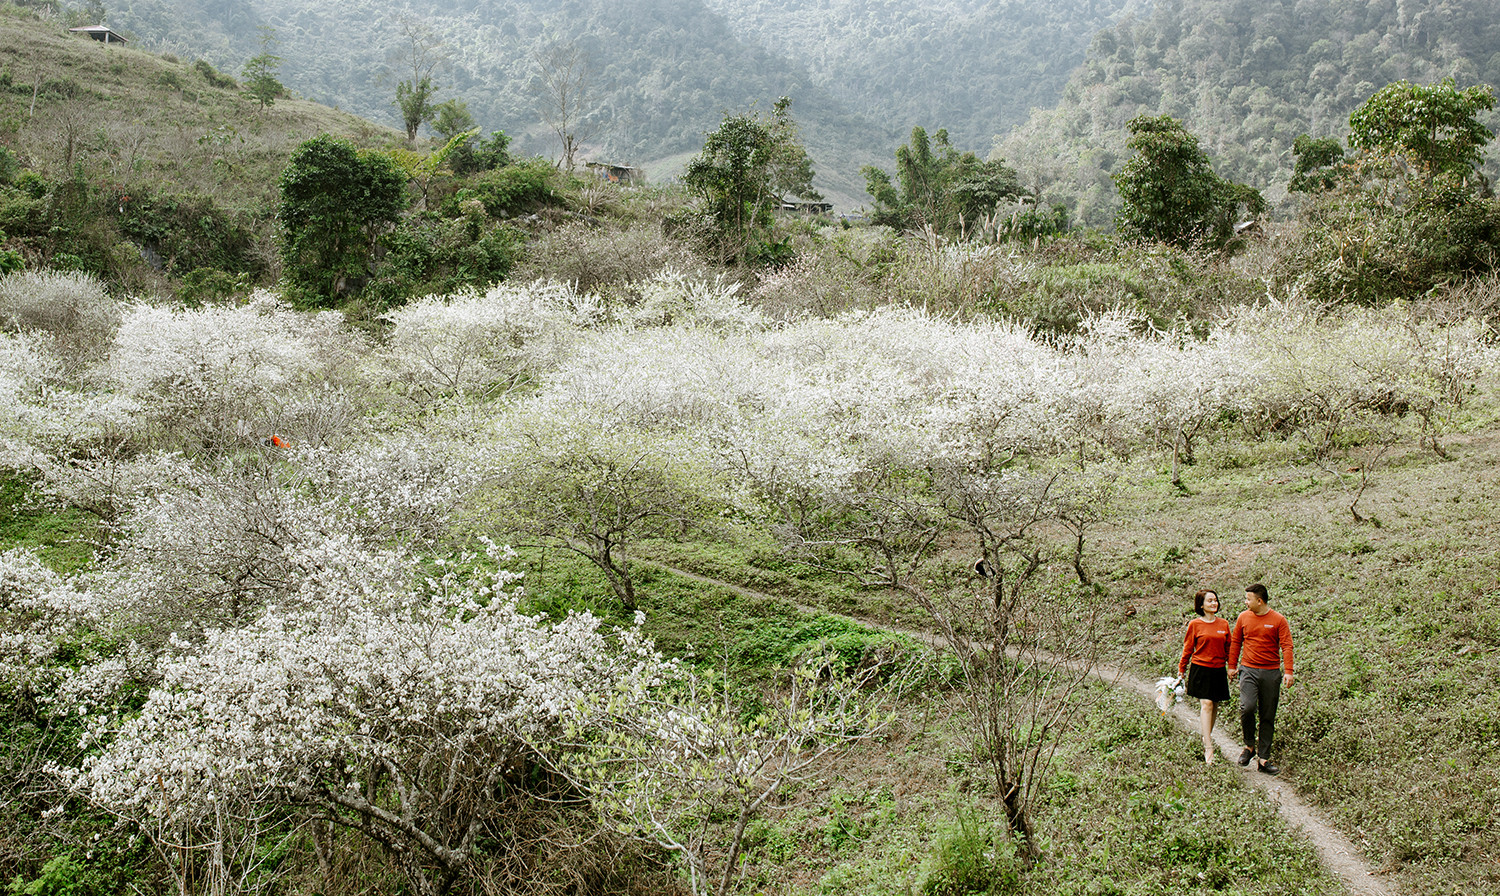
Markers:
point(1336, 850)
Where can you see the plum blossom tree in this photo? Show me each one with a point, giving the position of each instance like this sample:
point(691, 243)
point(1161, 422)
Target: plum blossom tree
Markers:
point(397, 713)
point(39, 609)
point(1025, 648)
point(595, 491)
point(213, 378)
point(689, 768)
point(476, 346)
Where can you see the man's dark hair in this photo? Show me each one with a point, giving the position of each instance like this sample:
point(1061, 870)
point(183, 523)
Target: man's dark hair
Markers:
point(1259, 591)
point(1199, 598)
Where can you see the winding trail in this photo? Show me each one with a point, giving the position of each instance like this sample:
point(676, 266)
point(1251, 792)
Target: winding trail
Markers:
point(1338, 853)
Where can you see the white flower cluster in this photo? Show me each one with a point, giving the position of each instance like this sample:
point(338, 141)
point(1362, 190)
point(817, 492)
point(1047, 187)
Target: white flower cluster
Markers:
point(476, 344)
point(672, 297)
point(225, 370)
point(39, 609)
point(305, 703)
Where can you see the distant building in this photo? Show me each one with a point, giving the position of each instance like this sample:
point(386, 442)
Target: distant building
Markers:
point(806, 206)
point(617, 174)
point(99, 33)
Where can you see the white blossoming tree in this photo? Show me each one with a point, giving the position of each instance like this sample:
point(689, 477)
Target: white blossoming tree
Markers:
point(477, 346)
point(689, 768)
point(216, 378)
point(564, 481)
point(397, 715)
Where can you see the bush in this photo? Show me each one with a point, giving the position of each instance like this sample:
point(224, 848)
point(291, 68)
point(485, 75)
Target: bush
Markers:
point(513, 190)
point(972, 857)
point(73, 308)
point(212, 75)
point(1357, 248)
point(334, 201)
point(475, 156)
point(436, 257)
point(602, 259)
point(201, 286)
point(188, 232)
point(827, 278)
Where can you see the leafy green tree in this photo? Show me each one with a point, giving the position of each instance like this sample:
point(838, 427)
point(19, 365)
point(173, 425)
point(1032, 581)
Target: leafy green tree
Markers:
point(415, 101)
point(1418, 214)
point(416, 96)
point(1316, 168)
point(1169, 192)
point(334, 201)
point(791, 167)
point(740, 175)
point(474, 155)
point(939, 187)
point(260, 72)
point(471, 155)
point(1434, 128)
point(451, 118)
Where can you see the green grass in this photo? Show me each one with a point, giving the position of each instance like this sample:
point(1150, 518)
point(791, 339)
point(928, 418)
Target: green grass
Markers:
point(141, 118)
point(1392, 728)
point(1126, 811)
point(63, 538)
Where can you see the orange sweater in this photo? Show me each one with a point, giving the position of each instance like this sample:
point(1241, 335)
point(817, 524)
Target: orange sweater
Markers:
point(1205, 644)
point(1266, 641)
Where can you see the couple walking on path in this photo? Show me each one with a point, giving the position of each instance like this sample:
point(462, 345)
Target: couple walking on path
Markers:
point(1255, 649)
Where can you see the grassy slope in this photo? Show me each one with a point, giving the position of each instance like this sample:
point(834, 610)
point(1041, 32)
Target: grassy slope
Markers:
point(133, 117)
point(1393, 726)
point(1394, 723)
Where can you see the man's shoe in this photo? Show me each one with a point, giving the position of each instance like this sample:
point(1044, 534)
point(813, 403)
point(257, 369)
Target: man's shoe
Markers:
point(1246, 755)
point(1269, 769)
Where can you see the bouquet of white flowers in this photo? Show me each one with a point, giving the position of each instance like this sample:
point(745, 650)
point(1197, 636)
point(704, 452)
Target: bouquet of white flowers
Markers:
point(1168, 691)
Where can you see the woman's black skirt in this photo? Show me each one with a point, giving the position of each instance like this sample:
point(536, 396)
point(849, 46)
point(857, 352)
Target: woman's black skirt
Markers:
point(1207, 684)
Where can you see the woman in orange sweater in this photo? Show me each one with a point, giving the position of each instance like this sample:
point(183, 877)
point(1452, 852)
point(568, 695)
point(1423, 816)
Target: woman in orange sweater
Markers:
point(1205, 653)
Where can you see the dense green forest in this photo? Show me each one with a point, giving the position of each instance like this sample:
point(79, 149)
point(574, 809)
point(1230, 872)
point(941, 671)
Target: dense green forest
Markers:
point(1248, 77)
point(976, 68)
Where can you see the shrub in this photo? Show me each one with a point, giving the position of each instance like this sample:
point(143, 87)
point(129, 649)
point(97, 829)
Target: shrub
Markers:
point(201, 286)
point(427, 256)
point(475, 156)
point(474, 343)
point(212, 75)
point(602, 259)
point(512, 190)
point(972, 857)
point(187, 231)
point(828, 278)
point(73, 308)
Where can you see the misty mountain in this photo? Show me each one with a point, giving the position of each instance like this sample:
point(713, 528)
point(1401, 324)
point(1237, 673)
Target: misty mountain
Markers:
point(861, 74)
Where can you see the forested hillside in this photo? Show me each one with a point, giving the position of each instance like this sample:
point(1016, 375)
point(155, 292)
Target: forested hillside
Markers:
point(1248, 77)
point(663, 71)
point(973, 67)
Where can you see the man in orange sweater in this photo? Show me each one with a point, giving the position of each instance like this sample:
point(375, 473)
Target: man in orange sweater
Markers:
point(1266, 639)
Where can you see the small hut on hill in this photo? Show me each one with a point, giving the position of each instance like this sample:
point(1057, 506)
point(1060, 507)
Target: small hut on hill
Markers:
point(99, 33)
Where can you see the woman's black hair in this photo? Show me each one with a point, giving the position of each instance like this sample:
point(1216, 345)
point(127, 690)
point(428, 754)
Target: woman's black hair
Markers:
point(1198, 600)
